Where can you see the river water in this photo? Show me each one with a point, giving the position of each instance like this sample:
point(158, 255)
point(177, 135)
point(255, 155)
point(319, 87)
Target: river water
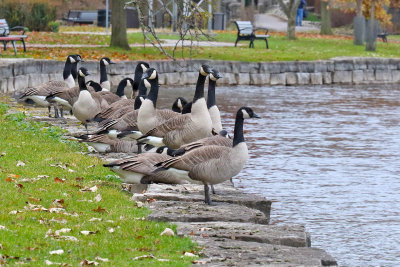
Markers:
point(329, 158)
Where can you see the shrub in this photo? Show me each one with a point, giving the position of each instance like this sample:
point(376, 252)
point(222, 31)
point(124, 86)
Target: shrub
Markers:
point(35, 15)
point(54, 26)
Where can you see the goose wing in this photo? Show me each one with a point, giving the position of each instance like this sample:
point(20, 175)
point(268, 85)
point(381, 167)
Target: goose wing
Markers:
point(46, 88)
point(109, 97)
point(216, 140)
point(176, 123)
point(143, 163)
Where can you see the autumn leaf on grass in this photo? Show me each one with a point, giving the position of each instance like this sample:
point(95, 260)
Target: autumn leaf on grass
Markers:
point(95, 219)
point(88, 263)
point(20, 163)
point(58, 201)
point(98, 198)
point(100, 209)
point(91, 189)
point(88, 232)
point(32, 199)
point(56, 252)
point(58, 180)
point(9, 179)
point(101, 259)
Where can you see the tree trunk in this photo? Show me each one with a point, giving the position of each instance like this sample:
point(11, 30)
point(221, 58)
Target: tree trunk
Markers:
point(290, 10)
point(118, 22)
point(326, 18)
point(371, 32)
point(359, 30)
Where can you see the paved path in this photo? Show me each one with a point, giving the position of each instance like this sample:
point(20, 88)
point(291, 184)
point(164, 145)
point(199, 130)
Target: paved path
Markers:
point(277, 24)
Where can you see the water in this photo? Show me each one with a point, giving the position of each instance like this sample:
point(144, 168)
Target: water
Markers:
point(329, 156)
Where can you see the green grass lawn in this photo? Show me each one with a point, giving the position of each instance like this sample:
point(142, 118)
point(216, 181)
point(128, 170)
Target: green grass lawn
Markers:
point(39, 170)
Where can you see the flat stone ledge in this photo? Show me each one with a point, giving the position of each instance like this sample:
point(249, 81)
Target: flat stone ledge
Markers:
point(225, 193)
point(176, 211)
point(293, 235)
point(230, 252)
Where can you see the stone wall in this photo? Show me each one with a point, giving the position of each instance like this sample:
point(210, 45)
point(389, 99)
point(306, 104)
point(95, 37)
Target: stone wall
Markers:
point(18, 74)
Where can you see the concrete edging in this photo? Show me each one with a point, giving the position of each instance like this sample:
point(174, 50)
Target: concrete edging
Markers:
point(16, 74)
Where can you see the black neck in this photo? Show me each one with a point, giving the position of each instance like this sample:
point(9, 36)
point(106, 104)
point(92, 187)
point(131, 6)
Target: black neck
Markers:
point(121, 88)
point(199, 93)
point(153, 94)
point(211, 93)
point(238, 131)
point(103, 73)
point(137, 78)
point(138, 103)
point(142, 89)
point(81, 82)
point(67, 69)
point(187, 108)
point(74, 70)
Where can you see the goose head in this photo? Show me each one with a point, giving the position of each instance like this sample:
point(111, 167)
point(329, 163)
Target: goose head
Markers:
point(215, 75)
point(79, 58)
point(74, 58)
point(165, 151)
point(205, 70)
point(247, 113)
point(149, 76)
point(128, 81)
point(96, 86)
point(178, 104)
point(106, 61)
point(83, 72)
point(143, 65)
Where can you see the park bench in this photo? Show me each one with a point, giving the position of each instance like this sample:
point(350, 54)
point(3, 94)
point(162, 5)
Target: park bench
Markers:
point(246, 31)
point(383, 36)
point(5, 36)
point(81, 17)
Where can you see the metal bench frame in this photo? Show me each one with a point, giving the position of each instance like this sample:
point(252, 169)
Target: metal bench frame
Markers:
point(246, 31)
point(5, 36)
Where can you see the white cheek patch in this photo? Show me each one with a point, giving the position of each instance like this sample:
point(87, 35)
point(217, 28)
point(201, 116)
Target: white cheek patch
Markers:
point(144, 68)
point(179, 104)
point(81, 73)
point(153, 75)
point(212, 77)
point(128, 83)
point(202, 72)
point(147, 84)
point(105, 62)
point(245, 114)
point(72, 60)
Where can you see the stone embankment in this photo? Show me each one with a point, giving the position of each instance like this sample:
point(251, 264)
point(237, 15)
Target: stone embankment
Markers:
point(17, 74)
point(234, 232)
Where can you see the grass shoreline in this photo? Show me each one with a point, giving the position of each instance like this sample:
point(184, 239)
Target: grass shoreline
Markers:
point(55, 199)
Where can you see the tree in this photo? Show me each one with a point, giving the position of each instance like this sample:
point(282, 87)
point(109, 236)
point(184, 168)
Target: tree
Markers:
point(118, 22)
point(326, 17)
point(371, 34)
point(290, 10)
point(359, 24)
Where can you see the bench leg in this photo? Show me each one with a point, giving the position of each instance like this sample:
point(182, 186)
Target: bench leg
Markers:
point(5, 45)
point(23, 43)
point(15, 47)
point(251, 45)
point(266, 42)
point(237, 40)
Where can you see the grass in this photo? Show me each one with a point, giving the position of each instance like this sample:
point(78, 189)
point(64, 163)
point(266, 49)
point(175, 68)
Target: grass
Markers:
point(308, 46)
point(39, 167)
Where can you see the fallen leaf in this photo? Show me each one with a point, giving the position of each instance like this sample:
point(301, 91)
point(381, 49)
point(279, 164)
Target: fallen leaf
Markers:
point(47, 262)
point(78, 179)
point(58, 201)
point(68, 238)
point(3, 154)
point(87, 262)
point(95, 219)
point(59, 220)
point(31, 249)
point(57, 252)
point(100, 209)
point(1, 246)
point(20, 163)
point(9, 179)
point(63, 230)
point(71, 170)
point(188, 254)
point(91, 189)
point(13, 175)
point(32, 199)
point(19, 185)
point(56, 210)
point(98, 198)
point(2, 227)
point(88, 232)
point(15, 212)
point(101, 259)
point(139, 204)
point(149, 256)
point(58, 180)
point(111, 230)
point(168, 232)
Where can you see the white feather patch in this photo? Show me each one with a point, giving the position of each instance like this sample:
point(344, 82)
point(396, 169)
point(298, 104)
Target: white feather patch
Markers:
point(154, 141)
point(153, 75)
point(72, 60)
point(147, 84)
point(245, 114)
point(144, 68)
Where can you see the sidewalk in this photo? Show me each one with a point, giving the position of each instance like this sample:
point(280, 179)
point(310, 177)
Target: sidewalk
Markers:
point(277, 24)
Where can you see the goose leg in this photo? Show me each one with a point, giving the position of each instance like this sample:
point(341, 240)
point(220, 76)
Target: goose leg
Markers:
point(207, 198)
point(56, 112)
point(212, 189)
point(61, 112)
point(87, 131)
point(49, 108)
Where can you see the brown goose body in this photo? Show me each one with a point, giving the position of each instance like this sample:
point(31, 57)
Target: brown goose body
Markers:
point(104, 144)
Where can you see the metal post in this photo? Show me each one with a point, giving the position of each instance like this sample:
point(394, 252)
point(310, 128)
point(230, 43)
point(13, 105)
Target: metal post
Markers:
point(106, 17)
point(209, 17)
point(174, 15)
point(150, 18)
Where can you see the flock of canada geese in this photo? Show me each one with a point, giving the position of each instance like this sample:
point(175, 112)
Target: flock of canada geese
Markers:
point(186, 144)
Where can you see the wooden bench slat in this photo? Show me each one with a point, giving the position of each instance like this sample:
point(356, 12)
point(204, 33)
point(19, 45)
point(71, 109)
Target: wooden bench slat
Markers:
point(5, 36)
point(246, 31)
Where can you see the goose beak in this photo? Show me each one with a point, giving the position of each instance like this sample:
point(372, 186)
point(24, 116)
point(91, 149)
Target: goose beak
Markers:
point(111, 62)
point(256, 116)
point(217, 75)
point(145, 76)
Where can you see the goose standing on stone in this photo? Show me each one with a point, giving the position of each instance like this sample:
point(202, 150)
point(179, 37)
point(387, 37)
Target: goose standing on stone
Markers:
point(39, 93)
point(213, 164)
point(87, 105)
point(104, 82)
point(185, 128)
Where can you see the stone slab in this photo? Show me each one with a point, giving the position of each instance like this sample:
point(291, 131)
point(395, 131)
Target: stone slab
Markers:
point(194, 193)
point(231, 252)
point(287, 235)
point(278, 79)
point(183, 211)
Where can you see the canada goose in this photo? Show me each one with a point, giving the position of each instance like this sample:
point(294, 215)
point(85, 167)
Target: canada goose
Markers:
point(213, 164)
point(185, 128)
point(211, 105)
point(111, 97)
point(74, 69)
point(104, 144)
point(39, 93)
point(178, 104)
point(139, 169)
point(126, 104)
point(88, 104)
point(104, 82)
point(149, 116)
